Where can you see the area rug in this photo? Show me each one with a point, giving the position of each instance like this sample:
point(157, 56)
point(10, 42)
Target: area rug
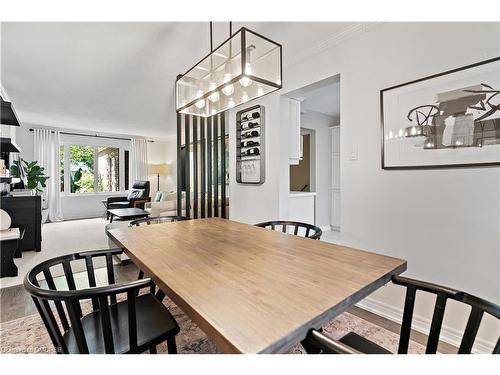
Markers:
point(28, 334)
point(63, 238)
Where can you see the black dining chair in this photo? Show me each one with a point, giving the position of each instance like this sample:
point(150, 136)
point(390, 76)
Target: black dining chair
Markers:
point(317, 342)
point(157, 220)
point(120, 319)
point(299, 229)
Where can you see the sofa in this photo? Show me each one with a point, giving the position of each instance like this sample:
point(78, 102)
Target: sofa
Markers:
point(165, 204)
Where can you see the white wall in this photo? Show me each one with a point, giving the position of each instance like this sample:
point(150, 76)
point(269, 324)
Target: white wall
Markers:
point(320, 123)
point(24, 139)
point(163, 152)
point(449, 233)
point(256, 203)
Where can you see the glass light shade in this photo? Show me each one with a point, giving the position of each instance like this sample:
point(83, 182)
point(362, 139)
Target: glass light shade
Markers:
point(227, 77)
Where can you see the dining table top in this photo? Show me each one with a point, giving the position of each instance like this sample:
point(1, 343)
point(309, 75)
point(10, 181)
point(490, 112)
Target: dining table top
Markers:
point(250, 289)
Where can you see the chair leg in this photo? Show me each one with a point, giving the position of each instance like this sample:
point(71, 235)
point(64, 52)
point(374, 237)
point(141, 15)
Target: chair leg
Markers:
point(152, 350)
point(160, 295)
point(310, 349)
point(171, 345)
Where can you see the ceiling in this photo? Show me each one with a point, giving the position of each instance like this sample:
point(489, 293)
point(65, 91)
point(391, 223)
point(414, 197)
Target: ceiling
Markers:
point(325, 100)
point(322, 96)
point(119, 77)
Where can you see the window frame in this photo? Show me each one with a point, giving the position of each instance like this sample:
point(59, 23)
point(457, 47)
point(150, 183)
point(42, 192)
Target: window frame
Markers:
point(94, 142)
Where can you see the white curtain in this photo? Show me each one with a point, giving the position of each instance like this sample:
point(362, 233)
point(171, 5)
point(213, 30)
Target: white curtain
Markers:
point(46, 152)
point(138, 160)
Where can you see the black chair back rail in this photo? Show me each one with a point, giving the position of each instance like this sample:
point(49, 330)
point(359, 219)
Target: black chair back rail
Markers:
point(311, 231)
point(157, 220)
point(104, 301)
point(478, 308)
point(317, 342)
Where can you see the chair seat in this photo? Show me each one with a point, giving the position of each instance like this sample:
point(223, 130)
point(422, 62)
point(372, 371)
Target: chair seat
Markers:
point(363, 345)
point(154, 325)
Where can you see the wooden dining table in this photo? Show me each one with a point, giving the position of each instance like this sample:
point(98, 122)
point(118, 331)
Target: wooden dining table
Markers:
point(250, 289)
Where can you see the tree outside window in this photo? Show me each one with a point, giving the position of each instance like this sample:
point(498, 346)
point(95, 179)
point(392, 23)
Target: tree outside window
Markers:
point(81, 160)
point(91, 168)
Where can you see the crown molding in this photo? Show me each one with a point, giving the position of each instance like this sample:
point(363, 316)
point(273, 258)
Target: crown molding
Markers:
point(331, 41)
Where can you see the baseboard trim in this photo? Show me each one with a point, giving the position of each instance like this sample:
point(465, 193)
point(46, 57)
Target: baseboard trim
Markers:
point(448, 334)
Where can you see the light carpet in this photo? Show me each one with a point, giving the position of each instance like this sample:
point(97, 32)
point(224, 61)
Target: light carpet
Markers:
point(58, 239)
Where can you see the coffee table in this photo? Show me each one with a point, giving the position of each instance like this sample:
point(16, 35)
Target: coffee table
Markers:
point(127, 213)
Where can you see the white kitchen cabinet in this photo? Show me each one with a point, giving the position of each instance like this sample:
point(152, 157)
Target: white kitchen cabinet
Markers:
point(335, 178)
point(294, 129)
point(302, 206)
point(335, 209)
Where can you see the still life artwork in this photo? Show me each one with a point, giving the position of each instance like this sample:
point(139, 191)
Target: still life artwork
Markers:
point(451, 119)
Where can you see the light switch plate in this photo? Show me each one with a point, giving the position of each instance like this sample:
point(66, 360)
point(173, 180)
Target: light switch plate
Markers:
point(354, 154)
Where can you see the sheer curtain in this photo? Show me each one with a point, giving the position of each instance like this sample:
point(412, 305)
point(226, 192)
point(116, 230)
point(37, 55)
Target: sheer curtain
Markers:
point(139, 160)
point(46, 152)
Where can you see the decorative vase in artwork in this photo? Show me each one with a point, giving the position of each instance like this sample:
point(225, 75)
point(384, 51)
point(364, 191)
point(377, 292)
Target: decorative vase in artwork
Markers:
point(5, 220)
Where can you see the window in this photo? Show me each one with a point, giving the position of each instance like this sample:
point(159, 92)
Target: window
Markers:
point(81, 165)
point(93, 167)
point(108, 169)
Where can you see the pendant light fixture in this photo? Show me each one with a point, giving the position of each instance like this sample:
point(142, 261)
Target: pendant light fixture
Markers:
point(244, 67)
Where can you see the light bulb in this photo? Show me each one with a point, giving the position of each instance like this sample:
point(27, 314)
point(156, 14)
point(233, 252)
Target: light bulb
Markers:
point(200, 103)
point(244, 96)
point(260, 90)
point(228, 89)
point(245, 81)
point(215, 96)
point(231, 102)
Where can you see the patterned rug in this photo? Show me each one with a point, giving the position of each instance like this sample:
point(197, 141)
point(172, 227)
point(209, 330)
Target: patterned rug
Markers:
point(28, 334)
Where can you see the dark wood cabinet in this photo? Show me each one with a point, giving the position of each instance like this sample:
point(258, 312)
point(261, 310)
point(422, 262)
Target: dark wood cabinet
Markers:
point(26, 211)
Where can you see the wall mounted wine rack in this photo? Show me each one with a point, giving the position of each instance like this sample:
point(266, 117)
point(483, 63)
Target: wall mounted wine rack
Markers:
point(250, 146)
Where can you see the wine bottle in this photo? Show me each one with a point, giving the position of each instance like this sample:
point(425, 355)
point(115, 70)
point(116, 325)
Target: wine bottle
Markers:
point(250, 134)
point(249, 143)
point(249, 125)
point(255, 115)
point(252, 151)
point(250, 116)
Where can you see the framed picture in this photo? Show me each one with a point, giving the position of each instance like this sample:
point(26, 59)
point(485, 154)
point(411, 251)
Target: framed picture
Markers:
point(450, 119)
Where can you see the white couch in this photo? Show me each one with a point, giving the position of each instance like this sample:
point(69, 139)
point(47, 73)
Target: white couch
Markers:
point(167, 206)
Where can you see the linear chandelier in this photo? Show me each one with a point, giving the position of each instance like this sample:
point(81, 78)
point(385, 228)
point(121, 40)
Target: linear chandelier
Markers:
point(244, 67)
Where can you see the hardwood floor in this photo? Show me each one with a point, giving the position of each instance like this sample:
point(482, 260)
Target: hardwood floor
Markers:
point(394, 327)
point(16, 303)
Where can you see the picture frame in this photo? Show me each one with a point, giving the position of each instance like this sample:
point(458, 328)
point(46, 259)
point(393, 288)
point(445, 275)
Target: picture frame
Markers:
point(445, 120)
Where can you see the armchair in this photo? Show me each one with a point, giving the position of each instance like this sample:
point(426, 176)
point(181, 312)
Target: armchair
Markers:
point(138, 195)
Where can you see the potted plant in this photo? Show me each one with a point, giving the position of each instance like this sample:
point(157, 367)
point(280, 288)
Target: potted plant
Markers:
point(31, 174)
